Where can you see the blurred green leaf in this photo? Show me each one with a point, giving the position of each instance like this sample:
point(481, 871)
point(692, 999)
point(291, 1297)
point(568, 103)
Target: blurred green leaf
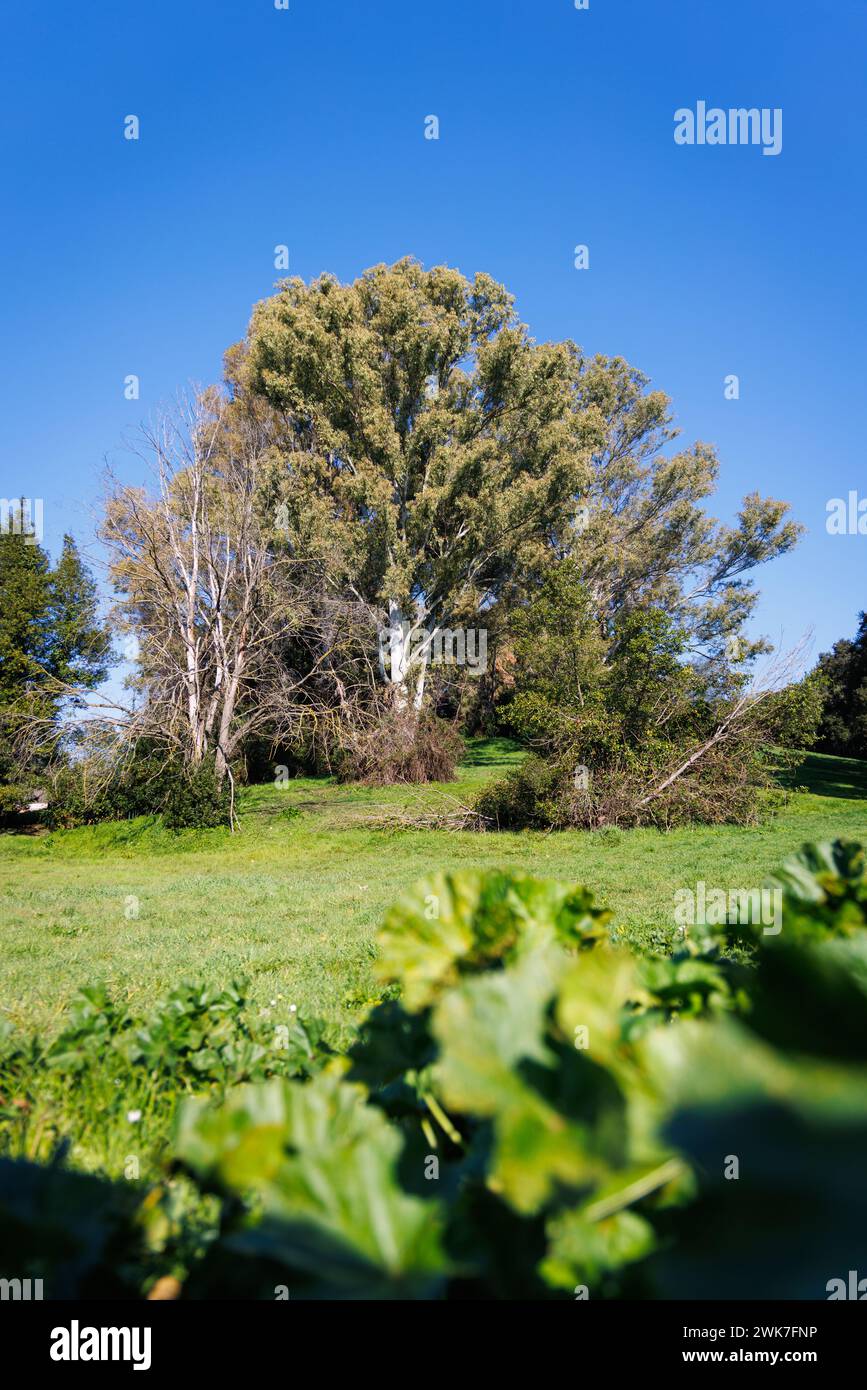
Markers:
point(319, 1166)
point(451, 925)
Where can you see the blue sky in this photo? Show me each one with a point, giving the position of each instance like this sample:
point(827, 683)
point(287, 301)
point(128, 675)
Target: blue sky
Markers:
point(306, 127)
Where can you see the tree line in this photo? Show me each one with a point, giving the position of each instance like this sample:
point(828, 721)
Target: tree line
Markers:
point(386, 462)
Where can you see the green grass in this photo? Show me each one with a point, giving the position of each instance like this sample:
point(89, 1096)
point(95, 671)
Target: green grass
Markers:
point(292, 902)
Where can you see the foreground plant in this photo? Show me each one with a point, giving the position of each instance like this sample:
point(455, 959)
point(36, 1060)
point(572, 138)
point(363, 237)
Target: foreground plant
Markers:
point(538, 1114)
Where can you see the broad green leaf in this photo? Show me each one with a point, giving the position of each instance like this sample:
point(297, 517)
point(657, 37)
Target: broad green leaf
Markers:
point(685, 985)
point(320, 1166)
point(451, 925)
point(391, 1043)
point(810, 995)
point(723, 1064)
point(558, 1117)
point(581, 1251)
point(73, 1230)
point(593, 997)
point(824, 890)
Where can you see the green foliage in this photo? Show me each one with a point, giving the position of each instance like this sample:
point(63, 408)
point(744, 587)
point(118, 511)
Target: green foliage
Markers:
point(558, 1119)
point(646, 540)
point(90, 793)
point(733, 784)
point(791, 1214)
point(584, 1250)
point(594, 690)
point(791, 716)
point(824, 890)
point(108, 1063)
point(539, 1110)
point(693, 983)
point(49, 631)
point(50, 639)
point(527, 798)
point(455, 924)
point(75, 1231)
point(310, 1172)
point(819, 957)
point(625, 727)
point(13, 796)
point(196, 799)
point(843, 671)
point(430, 437)
point(196, 1035)
point(558, 661)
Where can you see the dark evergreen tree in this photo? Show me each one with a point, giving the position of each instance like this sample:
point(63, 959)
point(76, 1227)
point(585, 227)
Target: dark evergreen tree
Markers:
point(843, 728)
point(51, 637)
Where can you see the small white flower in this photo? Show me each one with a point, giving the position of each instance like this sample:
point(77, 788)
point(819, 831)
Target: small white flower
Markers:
point(133, 1116)
point(293, 1008)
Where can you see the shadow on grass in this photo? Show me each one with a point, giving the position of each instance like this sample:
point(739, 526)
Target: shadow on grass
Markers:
point(493, 752)
point(824, 775)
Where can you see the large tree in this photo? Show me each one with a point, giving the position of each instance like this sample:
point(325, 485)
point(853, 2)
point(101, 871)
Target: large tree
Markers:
point(439, 458)
point(429, 448)
point(396, 457)
point(843, 728)
point(198, 583)
point(52, 645)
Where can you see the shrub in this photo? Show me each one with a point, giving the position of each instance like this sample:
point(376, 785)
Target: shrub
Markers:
point(625, 704)
point(87, 793)
point(522, 799)
point(731, 785)
point(195, 799)
point(401, 747)
point(791, 716)
point(149, 784)
point(14, 798)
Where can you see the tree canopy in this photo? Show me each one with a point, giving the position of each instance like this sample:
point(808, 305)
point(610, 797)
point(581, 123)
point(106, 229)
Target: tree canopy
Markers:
point(52, 642)
point(396, 459)
point(843, 728)
point(439, 460)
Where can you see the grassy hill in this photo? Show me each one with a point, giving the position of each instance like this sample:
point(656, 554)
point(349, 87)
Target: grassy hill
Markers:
point(292, 902)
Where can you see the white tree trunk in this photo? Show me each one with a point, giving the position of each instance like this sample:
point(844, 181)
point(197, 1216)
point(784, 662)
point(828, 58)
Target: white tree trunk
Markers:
point(398, 654)
point(406, 670)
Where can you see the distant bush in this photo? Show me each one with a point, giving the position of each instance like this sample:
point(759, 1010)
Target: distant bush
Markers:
point(633, 732)
point(195, 800)
point(84, 794)
point(791, 717)
point(148, 785)
point(731, 786)
point(522, 799)
point(843, 728)
point(398, 748)
point(14, 797)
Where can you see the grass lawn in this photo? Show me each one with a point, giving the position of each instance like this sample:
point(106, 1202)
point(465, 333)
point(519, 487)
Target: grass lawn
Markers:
point(293, 901)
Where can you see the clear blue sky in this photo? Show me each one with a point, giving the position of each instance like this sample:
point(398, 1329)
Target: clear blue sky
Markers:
point(305, 127)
